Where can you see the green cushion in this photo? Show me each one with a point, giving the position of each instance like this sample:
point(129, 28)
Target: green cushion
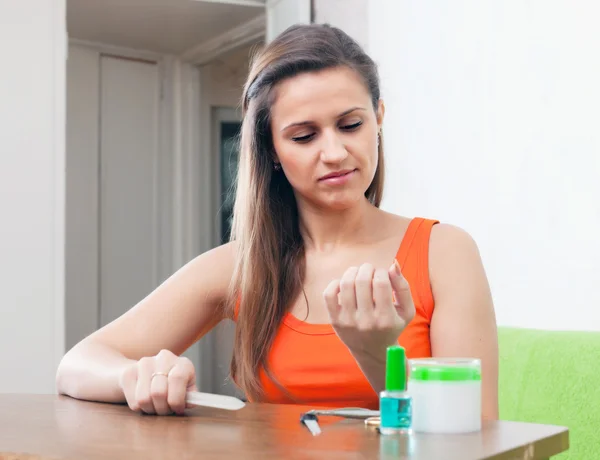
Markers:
point(552, 377)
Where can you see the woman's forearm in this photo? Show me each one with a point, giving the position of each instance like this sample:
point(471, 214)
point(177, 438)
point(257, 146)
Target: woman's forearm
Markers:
point(91, 371)
point(372, 366)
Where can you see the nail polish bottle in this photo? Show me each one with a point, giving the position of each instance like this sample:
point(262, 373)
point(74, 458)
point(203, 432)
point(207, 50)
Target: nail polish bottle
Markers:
point(395, 404)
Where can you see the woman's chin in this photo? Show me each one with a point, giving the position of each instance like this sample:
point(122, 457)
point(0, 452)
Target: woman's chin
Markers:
point(342, 201)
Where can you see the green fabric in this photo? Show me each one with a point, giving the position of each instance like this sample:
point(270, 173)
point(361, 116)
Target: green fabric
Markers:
point(553, 377)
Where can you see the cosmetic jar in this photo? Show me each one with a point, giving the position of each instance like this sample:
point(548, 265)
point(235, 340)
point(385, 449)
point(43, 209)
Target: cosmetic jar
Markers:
point(446, 395)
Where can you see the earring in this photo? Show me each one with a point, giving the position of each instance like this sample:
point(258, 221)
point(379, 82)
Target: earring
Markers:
point(277, 166)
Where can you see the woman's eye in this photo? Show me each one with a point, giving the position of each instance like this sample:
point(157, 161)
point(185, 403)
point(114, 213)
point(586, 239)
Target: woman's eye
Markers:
point(303, 138)
point(352, 127)
point(308, 137)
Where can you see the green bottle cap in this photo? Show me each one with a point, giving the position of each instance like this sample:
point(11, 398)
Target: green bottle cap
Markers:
point(395, 369)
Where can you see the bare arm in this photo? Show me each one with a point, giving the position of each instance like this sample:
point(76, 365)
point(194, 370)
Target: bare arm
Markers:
point(463, 323)
point(174, 316)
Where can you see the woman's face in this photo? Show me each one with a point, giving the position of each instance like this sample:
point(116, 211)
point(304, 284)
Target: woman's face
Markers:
point(325, 131)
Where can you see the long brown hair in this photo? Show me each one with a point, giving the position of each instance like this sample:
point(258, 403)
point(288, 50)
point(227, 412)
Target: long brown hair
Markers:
point(269, 265)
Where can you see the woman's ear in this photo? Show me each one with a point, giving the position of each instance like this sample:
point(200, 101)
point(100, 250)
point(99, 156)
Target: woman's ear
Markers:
point(380, 114)
point(275, 160)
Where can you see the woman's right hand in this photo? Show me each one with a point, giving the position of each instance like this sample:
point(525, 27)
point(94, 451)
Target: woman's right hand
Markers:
point(158, 384)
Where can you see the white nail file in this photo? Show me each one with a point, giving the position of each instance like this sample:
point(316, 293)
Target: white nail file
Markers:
point(197, 398)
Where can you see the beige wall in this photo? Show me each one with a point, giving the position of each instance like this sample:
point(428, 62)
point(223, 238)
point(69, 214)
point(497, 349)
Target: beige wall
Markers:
point(224, 78)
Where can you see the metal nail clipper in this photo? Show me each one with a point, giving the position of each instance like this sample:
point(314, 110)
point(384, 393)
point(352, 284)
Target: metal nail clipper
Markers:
point(311, 421)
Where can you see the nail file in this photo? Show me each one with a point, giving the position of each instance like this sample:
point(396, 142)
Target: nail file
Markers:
point(197, 398)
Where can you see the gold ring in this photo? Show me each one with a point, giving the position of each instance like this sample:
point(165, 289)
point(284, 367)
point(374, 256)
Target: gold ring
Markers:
point(373, 421)
point(159, 373)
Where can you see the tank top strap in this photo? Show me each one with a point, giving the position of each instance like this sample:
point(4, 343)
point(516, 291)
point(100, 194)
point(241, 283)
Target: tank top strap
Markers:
point(413, 257)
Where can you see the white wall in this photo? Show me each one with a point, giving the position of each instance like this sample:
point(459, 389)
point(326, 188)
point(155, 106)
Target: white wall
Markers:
point(349, 15)
point(493, 116)
point(283, 13)
point(32, 180)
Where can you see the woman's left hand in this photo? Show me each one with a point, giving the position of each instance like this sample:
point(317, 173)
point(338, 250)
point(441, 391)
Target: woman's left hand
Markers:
point(369, 308)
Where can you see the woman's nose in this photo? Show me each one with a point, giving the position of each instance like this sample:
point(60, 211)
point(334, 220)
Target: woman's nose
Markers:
point(333, 149)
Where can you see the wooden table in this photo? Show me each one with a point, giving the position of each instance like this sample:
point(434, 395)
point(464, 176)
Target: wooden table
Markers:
point(55, 427)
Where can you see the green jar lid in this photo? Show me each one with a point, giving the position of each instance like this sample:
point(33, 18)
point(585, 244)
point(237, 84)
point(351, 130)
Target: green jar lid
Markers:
point(445, 370)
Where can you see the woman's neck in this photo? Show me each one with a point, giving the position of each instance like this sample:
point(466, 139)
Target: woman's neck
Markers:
point(325, 230)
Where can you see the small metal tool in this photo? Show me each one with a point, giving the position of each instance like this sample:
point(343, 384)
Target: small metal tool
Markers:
point(311, 422)
point(347, 412)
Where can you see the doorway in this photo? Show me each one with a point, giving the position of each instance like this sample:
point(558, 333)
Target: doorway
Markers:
point(227, 124)
point(217, 347)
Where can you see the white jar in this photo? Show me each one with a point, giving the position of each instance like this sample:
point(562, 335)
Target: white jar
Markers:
point(446, 395)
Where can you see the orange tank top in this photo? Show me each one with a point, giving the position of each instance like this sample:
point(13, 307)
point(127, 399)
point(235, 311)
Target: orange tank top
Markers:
point(314, 366)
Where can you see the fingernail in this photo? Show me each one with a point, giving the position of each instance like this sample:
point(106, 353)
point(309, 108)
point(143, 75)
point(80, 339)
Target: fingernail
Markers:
point(397, 267)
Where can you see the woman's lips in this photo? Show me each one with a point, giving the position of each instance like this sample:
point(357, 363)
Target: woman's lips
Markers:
point(338, 177)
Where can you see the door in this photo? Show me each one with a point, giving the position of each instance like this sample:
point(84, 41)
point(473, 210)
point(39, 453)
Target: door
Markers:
point(128, 184)
point(112, 187)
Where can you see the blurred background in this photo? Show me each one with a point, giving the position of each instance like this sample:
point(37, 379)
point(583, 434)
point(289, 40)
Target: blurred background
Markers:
point(116, 126)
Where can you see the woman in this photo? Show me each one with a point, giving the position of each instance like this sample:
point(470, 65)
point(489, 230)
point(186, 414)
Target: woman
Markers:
point(319, 280)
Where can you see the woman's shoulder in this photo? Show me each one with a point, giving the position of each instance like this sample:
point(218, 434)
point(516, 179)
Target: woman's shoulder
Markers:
point(439, 245)
point(436, 257)
point(413, 229)
point(403, 223)
point(449, 240)
point(441, 236)
point(454, 259)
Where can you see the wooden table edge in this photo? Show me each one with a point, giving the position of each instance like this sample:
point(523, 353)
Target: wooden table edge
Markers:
point(25, 456)
point(540, 450)
point(544, 449)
